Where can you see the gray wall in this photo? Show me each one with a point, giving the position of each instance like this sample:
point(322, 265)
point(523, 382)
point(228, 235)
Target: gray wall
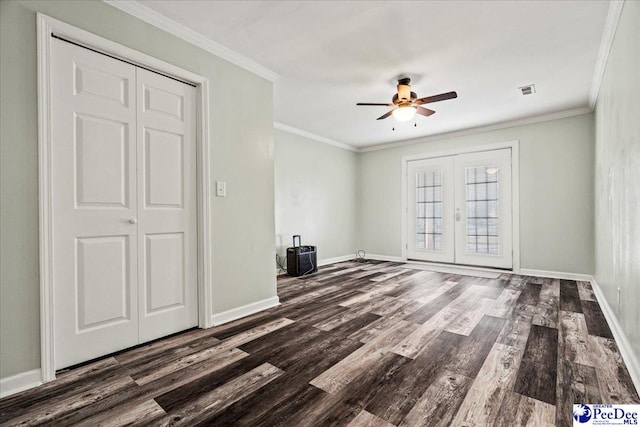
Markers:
point(315, 195)
point(617, 176)
point(241, 134)
point(556, 192)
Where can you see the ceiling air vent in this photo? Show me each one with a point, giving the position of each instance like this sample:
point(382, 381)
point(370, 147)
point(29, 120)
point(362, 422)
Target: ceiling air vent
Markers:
point(528, 89)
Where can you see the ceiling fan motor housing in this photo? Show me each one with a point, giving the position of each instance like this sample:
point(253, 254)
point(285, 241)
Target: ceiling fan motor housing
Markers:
point(404, 92)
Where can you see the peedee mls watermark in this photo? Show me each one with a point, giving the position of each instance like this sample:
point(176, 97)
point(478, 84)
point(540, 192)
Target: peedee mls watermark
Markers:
point(605, 415)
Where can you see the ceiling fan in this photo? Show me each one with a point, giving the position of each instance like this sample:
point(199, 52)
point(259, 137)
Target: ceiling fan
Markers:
point(406, 103)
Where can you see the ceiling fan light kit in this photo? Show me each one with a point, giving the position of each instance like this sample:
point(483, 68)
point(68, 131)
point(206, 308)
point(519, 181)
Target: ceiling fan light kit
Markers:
point(404, 114)
point(406, 103)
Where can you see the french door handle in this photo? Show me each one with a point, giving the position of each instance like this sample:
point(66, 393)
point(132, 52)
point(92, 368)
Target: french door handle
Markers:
point(458, 215)
point(133, 221)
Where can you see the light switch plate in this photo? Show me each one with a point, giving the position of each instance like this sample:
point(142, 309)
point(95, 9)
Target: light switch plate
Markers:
point(221, 189)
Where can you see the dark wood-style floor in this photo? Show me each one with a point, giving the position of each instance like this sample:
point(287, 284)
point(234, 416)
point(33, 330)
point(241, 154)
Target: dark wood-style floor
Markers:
point(361, 344)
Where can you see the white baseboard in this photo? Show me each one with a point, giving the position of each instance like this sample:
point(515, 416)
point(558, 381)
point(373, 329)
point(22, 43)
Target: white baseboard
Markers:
point(629, 357)
point(20, 382)
point(333, 260)
point(383, 257)
point(243, 311)
point(555, 274)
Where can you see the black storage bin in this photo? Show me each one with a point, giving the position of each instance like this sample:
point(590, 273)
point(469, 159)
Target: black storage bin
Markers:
point(301, 260)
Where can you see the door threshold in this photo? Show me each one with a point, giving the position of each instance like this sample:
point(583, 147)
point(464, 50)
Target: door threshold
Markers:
point(466, 270)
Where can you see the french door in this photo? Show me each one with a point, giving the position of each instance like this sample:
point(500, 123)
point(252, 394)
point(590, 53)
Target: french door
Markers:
point(123, 196)
point(459, 209)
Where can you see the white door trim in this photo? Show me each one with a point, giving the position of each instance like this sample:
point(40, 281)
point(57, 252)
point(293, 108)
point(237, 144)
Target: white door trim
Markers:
point(46, 26)
point(515, 190)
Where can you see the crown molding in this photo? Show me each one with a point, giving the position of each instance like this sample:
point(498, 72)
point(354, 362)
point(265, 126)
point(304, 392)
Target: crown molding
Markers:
point(469, 131)
point(610, 26)
point(313, 136)
point(479, 129)
point(152, 17)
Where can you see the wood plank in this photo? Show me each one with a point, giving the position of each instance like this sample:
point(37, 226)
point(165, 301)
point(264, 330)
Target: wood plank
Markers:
point(301, 364)
point(572, 341)
point(351, 367)
point(414, 343)
point(341, 407)
point(530, 295)
point(519, 410)
point(434, 306)
point(468, 320)
point(516, 329)
point(473, 349)
point(596, 322)
point(586, 291)
point(443, 288)
point(537, 375)
point(440, 402)
point(356, 324)
point(397, 394)
point(576, 384)
point(381, 325)
point(303, 345)
point(390, 306)
point(146, 412)
point(569, 296)
point(215, 356)
point(56, 411)
point(280, 414)
point(547, 310)
point(160, 347)
point(614, 380)
point(495, 380)
point(221, 397)
point(77, 381)
point(534, 413)
point(181, 386)
point(367, 419)
point(505, 303)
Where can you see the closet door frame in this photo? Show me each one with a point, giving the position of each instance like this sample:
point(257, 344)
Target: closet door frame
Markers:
point(515, 195)
point(47, 27)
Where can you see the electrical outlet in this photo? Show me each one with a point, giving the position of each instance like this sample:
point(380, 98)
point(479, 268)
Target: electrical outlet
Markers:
point(221, 189)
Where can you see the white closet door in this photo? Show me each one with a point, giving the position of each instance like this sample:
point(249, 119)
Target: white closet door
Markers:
point(430, 210)
point(124, 204)
point(93, 131)
point(167, 264)
point(483, 209)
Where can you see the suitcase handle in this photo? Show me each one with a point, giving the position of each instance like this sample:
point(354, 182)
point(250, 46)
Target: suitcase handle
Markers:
point(299, 240)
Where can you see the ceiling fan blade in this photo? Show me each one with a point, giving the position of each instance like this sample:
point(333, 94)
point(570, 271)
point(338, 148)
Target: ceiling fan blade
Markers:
point(384, 116)
point(369, 103)
point(436, 98)
point(424, 111)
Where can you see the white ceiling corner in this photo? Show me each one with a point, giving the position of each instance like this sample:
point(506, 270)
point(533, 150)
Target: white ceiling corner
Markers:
point(330, 55)
point(615, 9)
point(313, 136)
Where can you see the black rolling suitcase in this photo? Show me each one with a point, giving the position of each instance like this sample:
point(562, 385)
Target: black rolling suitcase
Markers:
point(301, 260)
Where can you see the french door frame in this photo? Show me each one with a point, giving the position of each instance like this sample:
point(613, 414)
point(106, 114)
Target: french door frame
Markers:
point(46, 27)
point(515, 194)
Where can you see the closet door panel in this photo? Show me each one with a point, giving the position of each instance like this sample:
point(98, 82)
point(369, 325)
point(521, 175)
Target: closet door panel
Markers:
point(94, 198)
point(167, 266)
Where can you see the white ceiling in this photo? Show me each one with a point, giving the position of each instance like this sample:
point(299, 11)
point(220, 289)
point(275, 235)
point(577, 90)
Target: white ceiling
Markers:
point(331, 55)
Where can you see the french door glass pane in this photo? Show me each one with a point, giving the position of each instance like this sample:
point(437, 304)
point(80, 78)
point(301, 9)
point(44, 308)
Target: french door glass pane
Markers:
point(482, 209)
point(429, 210)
